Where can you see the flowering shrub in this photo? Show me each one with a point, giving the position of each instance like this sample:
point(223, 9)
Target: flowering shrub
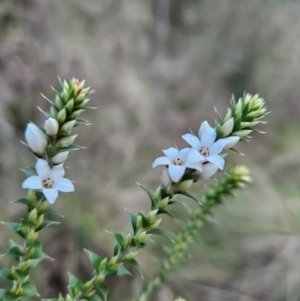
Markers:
point(51, 145)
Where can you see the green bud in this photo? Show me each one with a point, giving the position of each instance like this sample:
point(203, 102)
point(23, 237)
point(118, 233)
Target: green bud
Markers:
point(59, 103)
point(130, 256)
point(33, 215)
point(139, 222)
point(14, 272)
point(39, 221)
point(30, 252)
point(32, 197)
point(53, 112)
point(242, 133)
point(154, 225)
point(69, 106)
point(61, 116)
point(103, 264)
point(44, 206)
point(26, 279)
point(100, 279)
point(25, 265)
point(65, 95)
point(157, 194)
point(67, 127)
point(69, 298)
point(142, 237)
point(65, 141)
point(151, 216)
point(127, 240)
point(118, 266)
point(75, 114)
point(51, 151)
point(87, 285)
point(227, 127)
point(32, 237)
point(184, 185)
point(83, 103)
point(163, 203)
point(90, 294)
point(113, 260)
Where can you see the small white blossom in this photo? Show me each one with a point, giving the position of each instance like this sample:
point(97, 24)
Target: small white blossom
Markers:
point(60, 157)
point(48, 180)
point(206, 145)
point(35, 138)
point(51, 126)
point(178, 161)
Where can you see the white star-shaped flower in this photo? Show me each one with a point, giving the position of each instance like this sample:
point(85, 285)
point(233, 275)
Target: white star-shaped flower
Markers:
point(179, 160)
point(48, 180)
point(206, 145)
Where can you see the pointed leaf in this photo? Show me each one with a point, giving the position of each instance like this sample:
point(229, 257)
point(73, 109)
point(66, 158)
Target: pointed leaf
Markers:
point(29, 290)
point(133, 219)
point(95, 297)
point(158, 232)
point(103, 289)
point(47, 223)
point(117, 248)
point(118, 237)
point(8, 296)
point(94, 258)
point(123, 271)
point(164, 211)
point(25, 202)
point(134, 264)
point(187, 194)
point(6, 274)
point(150, 194)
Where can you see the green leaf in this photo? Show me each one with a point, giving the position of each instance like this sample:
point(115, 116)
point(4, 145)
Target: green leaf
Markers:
point(150, 194)
point(50, 211)
point(16, 228)
point(29, 290)
point(103, 289)
point(108, 270)
point(33, 263)
point(75, 284)
point(15, 250)
point(47, 223)
point(117, 248)
point(95, 297)
point(133, 219)
point(173, 201)
point(185, 193)
point(6, 274)
point(118, 237)
point(164, 211)
point(145, 221)
point(21, 274)
point(134, 264)
point(94, 258)
point(158, 232)
point(2, 293)
point(25, 202)
point(8, 296)
point(123, 271)
point(71, 148)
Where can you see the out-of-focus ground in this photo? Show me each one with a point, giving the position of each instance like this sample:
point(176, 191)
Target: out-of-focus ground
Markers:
point(159, 68)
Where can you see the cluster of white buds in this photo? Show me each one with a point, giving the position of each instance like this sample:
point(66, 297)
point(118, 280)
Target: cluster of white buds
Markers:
point(52, 143)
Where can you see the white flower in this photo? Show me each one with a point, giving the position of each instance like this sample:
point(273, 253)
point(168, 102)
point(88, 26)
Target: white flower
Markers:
point(177, 161)
point(51, 126)
point(205, 144)
point(60, 157)
point(35, 138)
point(48, 180)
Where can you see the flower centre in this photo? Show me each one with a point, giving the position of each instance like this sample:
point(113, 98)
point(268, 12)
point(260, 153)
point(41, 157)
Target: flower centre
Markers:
point(178, 162)
point(204, 151)
point(48, 183)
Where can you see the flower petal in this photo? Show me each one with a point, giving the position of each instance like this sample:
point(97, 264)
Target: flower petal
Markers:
point(65, 185)
point(208, 137)
point(33, 182)
point(231, 141)
point(192, 140)
point(42, 168)
point(184, 153)
point(57, 173)
point(161, 161)
point(50, 194)
point(217, 160)
point(195, 165)
point(194, 156)
point(176, 172)
point(60, 157)
point(208, 170)
point(172, 153)
point(217, 147)
point(205, 125)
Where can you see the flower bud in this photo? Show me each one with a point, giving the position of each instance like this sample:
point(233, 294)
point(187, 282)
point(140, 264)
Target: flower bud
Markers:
point(113, 260)
point(32, 237)
point(183, 186)
point(127, 240)
point(103, 264)
point(227, 127)
point(100, 279)
point(165, 179)
point(51, 126)
point(67, 127)
point(242, 133)
point(75, 114)
point(151, 216)
point(69, 106)
point(65, 141)
point(53, 112)
point(232, 140)
point(154, 225)
point(130, 256)
point(60, 157)
point(61, 116)
point(36, 139)
point(32, 217)
point(163, 203)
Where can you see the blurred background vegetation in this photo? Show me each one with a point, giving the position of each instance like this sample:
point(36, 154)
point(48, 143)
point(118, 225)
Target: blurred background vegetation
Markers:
point(159, 68)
